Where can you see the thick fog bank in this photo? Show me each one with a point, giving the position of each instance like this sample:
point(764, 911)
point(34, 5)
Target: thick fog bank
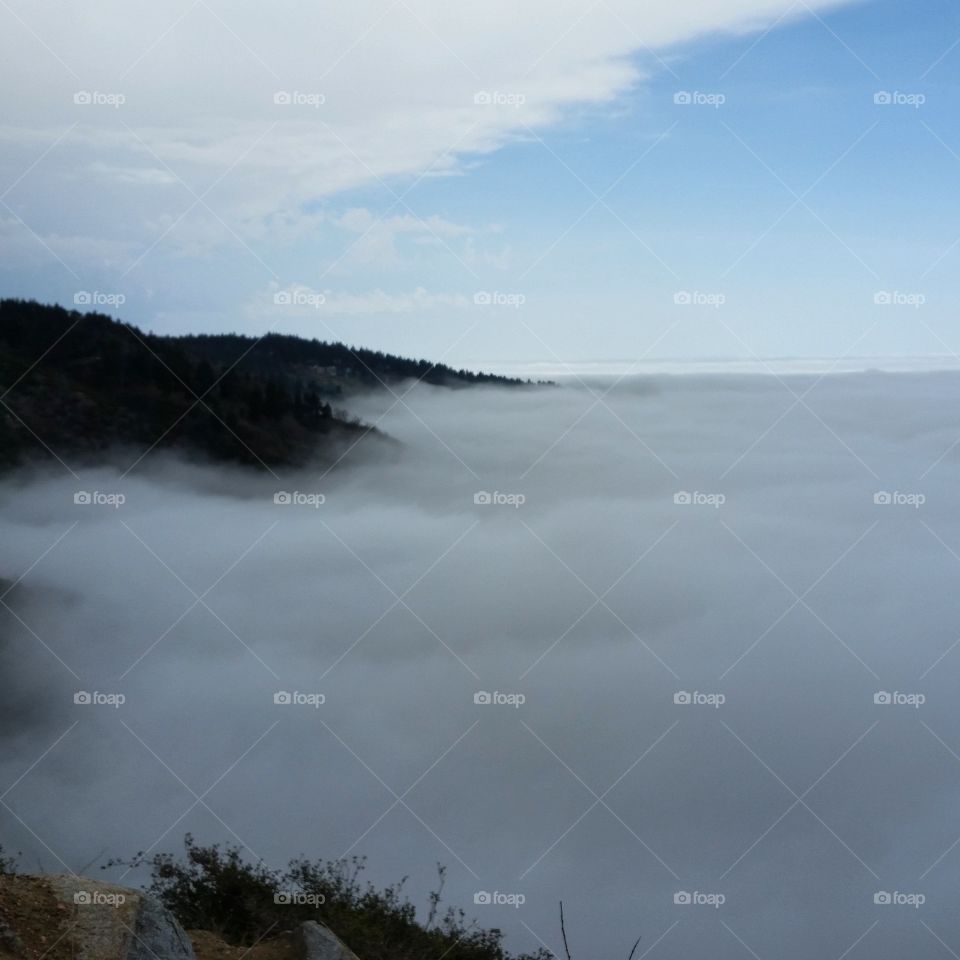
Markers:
point(717, 618)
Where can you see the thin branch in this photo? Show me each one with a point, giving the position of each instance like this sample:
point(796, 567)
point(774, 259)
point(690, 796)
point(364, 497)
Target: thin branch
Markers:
point(563, 930)
point(87, 866)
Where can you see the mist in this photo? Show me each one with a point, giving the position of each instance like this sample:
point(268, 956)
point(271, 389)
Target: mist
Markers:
point(715, 618)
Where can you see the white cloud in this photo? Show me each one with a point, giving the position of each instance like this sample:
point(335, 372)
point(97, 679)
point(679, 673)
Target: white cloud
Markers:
point(360, 220)
point(147, 176)
point(379, 302)
point(26, 245)
point(377, 236)
point(398, 83)
point(298, 301)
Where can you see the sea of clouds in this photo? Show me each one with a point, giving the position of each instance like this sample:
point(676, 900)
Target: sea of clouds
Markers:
point(677, 650)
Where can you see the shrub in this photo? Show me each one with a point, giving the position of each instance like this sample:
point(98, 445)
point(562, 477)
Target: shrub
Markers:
point(217, 889)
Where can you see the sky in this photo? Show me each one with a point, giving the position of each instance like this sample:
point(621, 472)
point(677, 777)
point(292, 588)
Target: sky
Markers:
point(781, 551)
point(575, 182)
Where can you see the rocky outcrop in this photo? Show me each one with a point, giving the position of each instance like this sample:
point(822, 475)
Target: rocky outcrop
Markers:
point(321, 943)
point(89, 920)
point(75, 918)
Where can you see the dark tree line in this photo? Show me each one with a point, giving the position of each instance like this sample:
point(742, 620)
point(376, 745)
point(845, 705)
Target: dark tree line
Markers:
point(85, 383)
point(282, 352)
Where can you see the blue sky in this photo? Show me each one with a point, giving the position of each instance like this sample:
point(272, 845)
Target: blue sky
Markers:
point(782, 214)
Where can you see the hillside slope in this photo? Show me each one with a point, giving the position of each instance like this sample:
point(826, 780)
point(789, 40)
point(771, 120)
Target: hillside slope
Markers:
point(74, 386)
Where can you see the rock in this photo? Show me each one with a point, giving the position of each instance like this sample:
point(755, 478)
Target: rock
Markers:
point(75, 918)
point(320, 943)
point(117, 923)
point(158, 936)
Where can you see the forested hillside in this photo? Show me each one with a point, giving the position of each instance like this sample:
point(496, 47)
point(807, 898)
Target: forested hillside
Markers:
point(76, 385)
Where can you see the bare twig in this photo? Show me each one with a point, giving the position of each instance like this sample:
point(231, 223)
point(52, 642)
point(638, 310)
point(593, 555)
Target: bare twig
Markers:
point(563, 930)
point(88, 865)
point(436, 894)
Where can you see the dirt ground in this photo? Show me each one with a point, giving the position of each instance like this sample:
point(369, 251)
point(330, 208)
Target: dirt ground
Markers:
point(41, 923)
point(210, 947)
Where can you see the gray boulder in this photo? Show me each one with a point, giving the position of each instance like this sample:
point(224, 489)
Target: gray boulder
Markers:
point(117, 923)
point(158, 935)
point(321, 943)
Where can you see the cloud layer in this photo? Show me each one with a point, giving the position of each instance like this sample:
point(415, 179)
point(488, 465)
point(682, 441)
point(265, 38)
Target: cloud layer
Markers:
point(239, 116)
point(726, 538)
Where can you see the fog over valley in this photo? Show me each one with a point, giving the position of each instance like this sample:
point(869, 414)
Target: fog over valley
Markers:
point(625, 643)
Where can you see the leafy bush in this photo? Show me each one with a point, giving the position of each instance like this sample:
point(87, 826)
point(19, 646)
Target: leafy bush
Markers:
point(217, 889)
